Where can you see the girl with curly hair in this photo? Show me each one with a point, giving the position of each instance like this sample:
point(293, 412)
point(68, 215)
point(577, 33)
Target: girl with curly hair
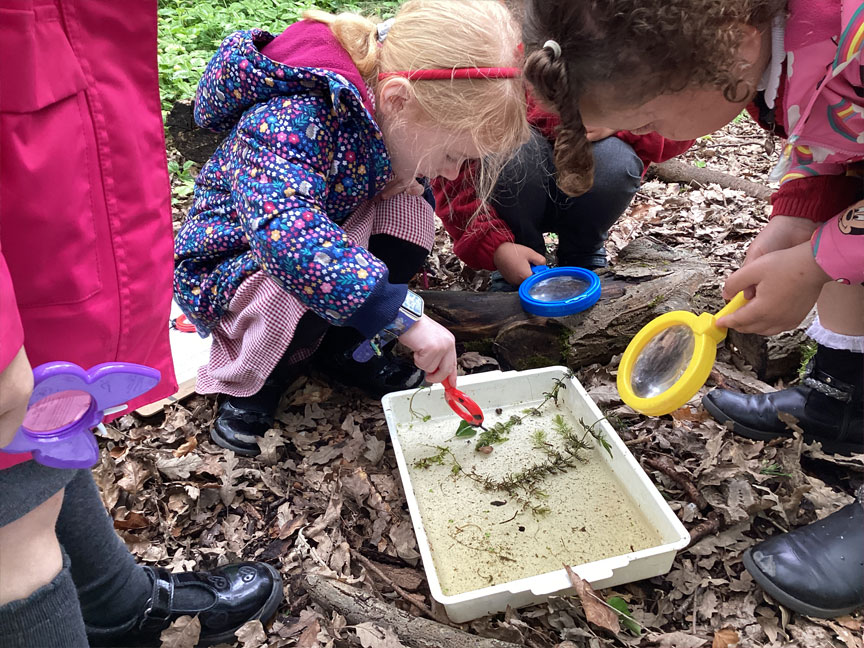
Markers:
point(683, 69)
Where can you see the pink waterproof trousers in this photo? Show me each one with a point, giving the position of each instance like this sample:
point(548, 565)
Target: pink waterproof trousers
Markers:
point(85, 215)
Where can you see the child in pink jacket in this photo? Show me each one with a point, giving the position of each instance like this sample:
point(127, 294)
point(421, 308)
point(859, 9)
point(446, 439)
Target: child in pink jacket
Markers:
point(684, 68)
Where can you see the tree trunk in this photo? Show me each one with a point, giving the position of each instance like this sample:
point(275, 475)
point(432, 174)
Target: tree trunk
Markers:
point(648, 280)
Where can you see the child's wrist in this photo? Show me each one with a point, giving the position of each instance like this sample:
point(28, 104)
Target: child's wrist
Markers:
point(410, 312)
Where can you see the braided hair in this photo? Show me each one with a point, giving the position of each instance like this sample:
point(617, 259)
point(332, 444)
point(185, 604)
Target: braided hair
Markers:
point(634, 50)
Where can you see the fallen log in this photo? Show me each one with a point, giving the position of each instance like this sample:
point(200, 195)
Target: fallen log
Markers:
point(678, 171)
point(359, 606)
point(775, 357)
point(649, 279)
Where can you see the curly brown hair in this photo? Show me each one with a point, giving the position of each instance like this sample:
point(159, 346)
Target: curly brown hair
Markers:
point(640, 48)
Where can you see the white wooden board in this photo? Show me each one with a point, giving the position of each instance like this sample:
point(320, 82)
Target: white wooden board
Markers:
point(189, 351)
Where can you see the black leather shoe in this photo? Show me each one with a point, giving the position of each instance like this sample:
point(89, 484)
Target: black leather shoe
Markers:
point(829, 410)
point(223, 600)
point(243, 419)
point(816, 569)
point(380, 375)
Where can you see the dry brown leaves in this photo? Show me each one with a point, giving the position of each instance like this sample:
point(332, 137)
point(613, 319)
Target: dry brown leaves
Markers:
point(326, 482)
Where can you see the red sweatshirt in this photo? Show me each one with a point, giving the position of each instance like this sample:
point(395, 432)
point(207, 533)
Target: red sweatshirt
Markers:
point(475, 238)
point(818, 198)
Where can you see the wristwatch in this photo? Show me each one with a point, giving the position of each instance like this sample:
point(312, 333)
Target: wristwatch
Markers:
point(410, 311)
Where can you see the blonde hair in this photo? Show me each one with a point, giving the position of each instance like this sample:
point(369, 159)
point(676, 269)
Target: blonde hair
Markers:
point(442, 34)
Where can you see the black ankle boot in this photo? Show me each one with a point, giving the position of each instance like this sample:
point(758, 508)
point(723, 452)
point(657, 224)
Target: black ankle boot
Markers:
point(828, 404)
point(242, 420)
point(379, 376)
point(223, 600)
point(816, 569)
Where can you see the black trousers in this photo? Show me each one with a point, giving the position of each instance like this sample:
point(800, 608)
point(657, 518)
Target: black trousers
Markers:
point(528, 200)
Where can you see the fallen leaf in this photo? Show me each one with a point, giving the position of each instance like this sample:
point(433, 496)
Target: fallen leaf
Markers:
point(373, 636)
point(689, 414)
point(183, 633)
point(725, 638)
point(402, 535)
point(269, 445)
point(625, 615)
point(251, 634)
point(187, 447)
point(474, 360)
point(678, 640)
point(596, 610)
point(135, 475)
point(309, 637)
point(374, 449)
point(851, 639)
point(132, 521)
point(228, 490)
point(179, 467)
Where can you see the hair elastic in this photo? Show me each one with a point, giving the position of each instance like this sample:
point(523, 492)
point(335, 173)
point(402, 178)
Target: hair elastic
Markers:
point(383, 29)
point(455, 73)
point(555, 47)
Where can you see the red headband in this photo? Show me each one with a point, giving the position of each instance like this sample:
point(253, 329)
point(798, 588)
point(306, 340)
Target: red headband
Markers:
point(456, 73)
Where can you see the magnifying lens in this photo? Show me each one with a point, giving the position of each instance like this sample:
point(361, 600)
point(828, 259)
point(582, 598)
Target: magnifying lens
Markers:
point(68, 402)
point(670, 359)
point(554, 292)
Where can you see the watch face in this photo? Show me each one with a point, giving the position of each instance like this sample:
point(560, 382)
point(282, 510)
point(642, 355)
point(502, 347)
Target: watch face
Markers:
point(413, 304)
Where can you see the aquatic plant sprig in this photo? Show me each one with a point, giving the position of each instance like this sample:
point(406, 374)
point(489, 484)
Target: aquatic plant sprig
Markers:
point(500, 432)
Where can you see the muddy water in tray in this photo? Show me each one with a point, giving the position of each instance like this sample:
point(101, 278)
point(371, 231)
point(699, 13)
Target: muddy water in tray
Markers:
point(481, 538)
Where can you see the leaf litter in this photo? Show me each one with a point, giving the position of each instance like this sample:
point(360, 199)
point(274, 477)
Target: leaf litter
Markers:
point(326, 486)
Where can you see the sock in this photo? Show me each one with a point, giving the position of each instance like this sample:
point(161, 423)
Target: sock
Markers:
point(827, 337)
point(49, 618)
point(112, 587)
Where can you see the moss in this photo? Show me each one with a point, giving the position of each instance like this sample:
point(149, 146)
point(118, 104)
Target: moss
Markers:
point(659, 299)
point(536, 361)
point(808, 350)
point(483, 347)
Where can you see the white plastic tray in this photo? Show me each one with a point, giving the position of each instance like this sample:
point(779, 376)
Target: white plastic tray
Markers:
point(502, 389)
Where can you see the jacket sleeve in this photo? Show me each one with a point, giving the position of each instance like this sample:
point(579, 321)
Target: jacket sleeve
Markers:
point(653, 147)
point(476, 234)
point(815, 198)
point(279, 181)
point(11, 331)
point(838, 245)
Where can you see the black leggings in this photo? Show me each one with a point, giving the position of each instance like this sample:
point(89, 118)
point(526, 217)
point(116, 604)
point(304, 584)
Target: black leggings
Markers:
point(528, 200)
point(403, 260)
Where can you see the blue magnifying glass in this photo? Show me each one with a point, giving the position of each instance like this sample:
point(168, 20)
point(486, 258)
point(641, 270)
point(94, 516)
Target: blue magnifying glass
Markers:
point(555, 292)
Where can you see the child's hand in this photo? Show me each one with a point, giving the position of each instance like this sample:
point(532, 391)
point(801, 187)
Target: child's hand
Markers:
point(434, 349)
point(780, 233)
point(595, 134)
point(782, 287)
point(399, 185)
point(514, 261)
point(16, 385)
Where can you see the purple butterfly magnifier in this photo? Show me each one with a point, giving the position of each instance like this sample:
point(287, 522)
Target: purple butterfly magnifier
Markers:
point(68, 402)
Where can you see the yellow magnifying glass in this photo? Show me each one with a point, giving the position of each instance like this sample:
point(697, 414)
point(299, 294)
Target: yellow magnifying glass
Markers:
point(670, 359)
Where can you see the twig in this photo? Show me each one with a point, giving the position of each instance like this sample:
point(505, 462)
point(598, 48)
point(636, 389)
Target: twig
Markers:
point(638, 441)
point(710, 525)
point(677, 171)
point(358, 606)
point(411, 598)
point(664, 465)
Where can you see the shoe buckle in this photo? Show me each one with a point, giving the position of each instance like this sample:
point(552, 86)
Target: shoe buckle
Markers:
point(151, 614)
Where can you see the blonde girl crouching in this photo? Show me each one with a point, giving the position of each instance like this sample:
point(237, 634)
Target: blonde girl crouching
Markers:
point(309, 215)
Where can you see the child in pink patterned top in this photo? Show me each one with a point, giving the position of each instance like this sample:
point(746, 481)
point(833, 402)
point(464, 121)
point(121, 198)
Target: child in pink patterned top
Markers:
point(684, 68)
